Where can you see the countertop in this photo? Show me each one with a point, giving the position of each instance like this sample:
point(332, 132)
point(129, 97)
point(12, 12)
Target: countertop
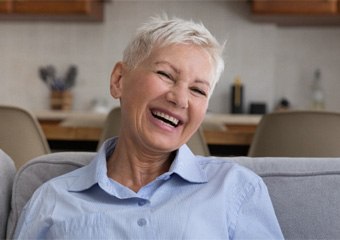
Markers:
point(92, 119)
point(219, 129)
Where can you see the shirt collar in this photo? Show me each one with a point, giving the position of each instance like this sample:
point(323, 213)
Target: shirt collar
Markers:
point(96, 171)
point(185, 165)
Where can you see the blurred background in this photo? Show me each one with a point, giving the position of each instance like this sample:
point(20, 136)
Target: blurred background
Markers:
point(273, 61)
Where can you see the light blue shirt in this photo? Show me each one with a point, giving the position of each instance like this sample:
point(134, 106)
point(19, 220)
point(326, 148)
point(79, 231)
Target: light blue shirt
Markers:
point(198, 198)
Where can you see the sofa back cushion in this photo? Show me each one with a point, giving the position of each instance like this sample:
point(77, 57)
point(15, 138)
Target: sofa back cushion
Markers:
point(7, 172)
point(38, 171)
point(305, 193)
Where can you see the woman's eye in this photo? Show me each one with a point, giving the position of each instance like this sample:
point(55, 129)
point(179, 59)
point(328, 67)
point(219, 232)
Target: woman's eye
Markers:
point(199, 91)
point(164, 74)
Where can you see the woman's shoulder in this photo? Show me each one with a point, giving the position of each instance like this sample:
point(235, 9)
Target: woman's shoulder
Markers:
point(226, 167)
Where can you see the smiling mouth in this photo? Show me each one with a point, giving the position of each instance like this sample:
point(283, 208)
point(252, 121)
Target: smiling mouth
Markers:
point(174, 122)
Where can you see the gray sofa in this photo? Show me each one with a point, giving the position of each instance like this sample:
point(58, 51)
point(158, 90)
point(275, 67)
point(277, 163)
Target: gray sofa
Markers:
point(305, 191)
point(7, 173)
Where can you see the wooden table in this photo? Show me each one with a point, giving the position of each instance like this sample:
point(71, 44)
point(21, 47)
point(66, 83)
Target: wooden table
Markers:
point(242, 136)
point(219, 129)
point(237, 129)
point(71, 126)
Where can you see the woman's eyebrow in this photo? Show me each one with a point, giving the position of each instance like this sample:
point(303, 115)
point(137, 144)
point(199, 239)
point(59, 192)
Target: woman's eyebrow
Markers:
point(169, 64)
point(205, 82)
point(201, 81)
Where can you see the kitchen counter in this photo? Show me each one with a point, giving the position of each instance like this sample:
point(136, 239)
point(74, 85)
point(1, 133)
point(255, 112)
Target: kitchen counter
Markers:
point(230, 129)
point(233, 119)
point(219, 129)
point(71, 126)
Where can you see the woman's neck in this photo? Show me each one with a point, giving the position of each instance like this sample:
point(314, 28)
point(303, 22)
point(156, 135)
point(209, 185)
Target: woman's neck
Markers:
point(134, 168)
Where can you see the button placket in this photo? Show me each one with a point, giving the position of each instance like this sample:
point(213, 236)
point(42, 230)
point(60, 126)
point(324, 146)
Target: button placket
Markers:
point(142, 204)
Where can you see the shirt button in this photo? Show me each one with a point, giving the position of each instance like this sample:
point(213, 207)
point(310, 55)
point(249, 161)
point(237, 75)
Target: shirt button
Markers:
point(141, 222)
point(142, 202)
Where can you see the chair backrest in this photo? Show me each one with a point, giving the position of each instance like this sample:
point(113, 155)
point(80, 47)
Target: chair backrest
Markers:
point(111, 125)
point(297, 134)
point(36, 172)
point(21, 136)
point(197, 143)
point(7, 172)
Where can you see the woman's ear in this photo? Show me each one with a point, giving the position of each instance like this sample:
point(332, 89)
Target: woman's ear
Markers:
point(116, 80)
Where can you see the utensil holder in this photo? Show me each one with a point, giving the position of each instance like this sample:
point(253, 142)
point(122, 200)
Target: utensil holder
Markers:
point(61, 100)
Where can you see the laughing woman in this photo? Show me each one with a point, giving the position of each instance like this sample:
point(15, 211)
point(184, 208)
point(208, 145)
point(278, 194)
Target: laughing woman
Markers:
point(146, 183)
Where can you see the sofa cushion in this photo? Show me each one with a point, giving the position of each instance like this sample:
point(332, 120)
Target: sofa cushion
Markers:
point(38, 171)
point(7, 172)
point(305, 193)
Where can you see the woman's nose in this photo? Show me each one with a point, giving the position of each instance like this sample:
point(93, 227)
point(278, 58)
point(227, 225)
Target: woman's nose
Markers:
point(179, 97)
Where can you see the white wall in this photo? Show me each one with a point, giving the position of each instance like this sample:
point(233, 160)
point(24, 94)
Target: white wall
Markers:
point(272, 61)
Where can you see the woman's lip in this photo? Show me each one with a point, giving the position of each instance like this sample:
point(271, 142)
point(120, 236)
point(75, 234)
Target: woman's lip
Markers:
point(166, 118)
point(176, 116)
point(162, 125)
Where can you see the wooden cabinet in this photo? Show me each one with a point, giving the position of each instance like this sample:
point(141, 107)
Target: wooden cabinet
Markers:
point(5, 6)
point(297, 12)
point(52, 9)
point(300, 7)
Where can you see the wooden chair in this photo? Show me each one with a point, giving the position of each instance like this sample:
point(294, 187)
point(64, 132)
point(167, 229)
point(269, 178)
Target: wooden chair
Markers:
point(297, 134)
point(21, 136)
point(111, 125)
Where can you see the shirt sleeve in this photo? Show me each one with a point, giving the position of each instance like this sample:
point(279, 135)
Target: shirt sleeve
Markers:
point(256, 218)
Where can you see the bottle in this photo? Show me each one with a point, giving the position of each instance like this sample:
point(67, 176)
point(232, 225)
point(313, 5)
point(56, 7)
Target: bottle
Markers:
point(237, 96)
point(318, 99)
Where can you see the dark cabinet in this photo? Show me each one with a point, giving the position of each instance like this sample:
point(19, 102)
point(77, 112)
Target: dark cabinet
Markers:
point(300, 7)
point(52, 9)
point(5, 6)
point(297, 12)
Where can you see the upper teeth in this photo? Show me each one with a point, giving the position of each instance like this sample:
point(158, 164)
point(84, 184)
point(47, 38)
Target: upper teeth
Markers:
point(167, 117)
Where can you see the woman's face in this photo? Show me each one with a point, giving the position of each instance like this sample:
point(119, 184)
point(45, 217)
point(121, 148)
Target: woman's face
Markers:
point(164, 99)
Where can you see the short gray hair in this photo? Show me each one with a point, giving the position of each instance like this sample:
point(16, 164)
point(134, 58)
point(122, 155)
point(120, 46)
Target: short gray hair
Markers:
point(162, 31)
